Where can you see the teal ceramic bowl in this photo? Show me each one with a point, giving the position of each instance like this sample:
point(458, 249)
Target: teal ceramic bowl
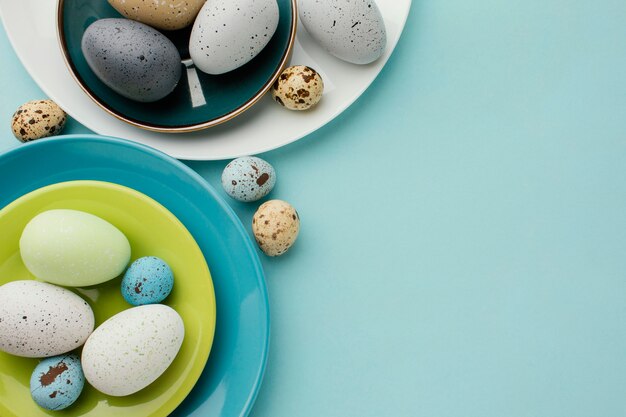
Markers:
point(226, 95)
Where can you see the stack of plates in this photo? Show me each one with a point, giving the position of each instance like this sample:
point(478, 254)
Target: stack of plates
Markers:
point(146, 194)
point(263, 127)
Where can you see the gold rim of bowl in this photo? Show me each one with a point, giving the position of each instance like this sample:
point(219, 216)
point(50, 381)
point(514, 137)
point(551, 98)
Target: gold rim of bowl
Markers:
point(183, 128)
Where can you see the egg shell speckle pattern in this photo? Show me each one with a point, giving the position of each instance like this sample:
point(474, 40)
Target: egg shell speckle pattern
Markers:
point(163, 14)
point(148, 280)
point(298, 88)
point(38, 119)
point(229, 33)
point(132, 59)
point(39, 320)
point(56, 383)
point(275, 226)
point(248, 178)
point(132, 349)
point(352, 30)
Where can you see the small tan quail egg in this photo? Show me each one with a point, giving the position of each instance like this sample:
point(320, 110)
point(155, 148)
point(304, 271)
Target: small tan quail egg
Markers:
point(38, 119)
point(298, 88)
point(275, 226)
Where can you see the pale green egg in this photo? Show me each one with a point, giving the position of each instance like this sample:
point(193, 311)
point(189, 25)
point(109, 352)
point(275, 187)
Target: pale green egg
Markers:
point(73, 248)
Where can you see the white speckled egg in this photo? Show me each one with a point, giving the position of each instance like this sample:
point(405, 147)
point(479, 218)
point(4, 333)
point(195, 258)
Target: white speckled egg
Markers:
point(352, 30)
point(38, 119)
point(229, 33)
point(163, 14)
point(133, 59)
point(73, 248)
point(298, 88)
point(39, 320)
point(275, 225)
point(132, 349)
point(248, 178)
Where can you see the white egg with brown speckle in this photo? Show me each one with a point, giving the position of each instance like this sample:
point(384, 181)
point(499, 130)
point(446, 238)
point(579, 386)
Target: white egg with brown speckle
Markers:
point(248, 178)
point(39, 320)
point(132, 349)
point(275, 226)
point(38, 119)
point(351, 30)
point(298, 88)
point(229, 33)
point(163, 14)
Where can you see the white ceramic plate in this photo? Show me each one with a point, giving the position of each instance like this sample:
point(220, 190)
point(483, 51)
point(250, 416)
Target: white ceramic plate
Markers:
point(31, 28)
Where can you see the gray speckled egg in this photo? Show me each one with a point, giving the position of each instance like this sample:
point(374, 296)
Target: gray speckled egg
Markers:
point(56, 383)
point(275, 226)
point(298, 88)
point(352, 30)
point(132, 59)
point(39, 320)
point(229, 33)
point(132, 349)
point(38, 119)
point(248, 178)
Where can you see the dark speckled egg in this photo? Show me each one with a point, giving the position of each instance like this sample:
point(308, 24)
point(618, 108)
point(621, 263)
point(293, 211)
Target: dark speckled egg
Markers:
point(248, 178)
point(132, 59)
point(352, 30)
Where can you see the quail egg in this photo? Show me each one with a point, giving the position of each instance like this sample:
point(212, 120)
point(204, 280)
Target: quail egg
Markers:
point(38, 119)
point(275, 225)
point(248, 178)
point(298, 88)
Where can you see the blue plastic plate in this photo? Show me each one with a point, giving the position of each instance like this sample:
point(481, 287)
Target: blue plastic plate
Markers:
point(231, 379)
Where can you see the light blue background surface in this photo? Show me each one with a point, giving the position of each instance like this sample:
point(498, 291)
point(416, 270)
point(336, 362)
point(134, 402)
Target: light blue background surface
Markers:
point(463, 250)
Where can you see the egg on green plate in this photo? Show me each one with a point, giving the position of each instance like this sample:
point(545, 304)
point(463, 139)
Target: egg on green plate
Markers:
point(151, 231)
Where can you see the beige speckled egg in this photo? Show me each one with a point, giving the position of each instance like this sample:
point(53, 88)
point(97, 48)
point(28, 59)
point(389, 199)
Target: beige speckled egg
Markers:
point(161, 14)
point(298, 88)
point(275, 226)
point(38, 119)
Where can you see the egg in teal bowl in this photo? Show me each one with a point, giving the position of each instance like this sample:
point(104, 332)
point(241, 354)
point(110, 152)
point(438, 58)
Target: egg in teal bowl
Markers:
point(199, 100)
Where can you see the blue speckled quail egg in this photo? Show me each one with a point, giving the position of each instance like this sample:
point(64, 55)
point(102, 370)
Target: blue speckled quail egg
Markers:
point(148, 280)
point(229, 33)
point(248, 178)
point(352, 30)
point(39, 320)
point(38, 119)
point(131, 58)
point(132, 349)
point(298, 88)
point(56, 383)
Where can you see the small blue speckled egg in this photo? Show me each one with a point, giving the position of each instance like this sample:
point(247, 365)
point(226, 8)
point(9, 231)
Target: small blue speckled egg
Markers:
point(56, 383)
point(148, 280)
point(248, 178)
